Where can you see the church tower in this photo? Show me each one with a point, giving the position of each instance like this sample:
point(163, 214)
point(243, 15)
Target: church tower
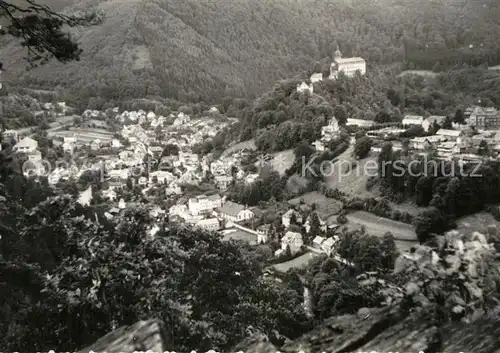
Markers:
point(337, 54)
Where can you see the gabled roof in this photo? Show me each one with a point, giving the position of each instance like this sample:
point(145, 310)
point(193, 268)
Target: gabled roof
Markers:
point(208, 221)
point(446, 132)
point(435, 138)
point(328, 243)
point(318, 240)
point(290, 212)
point(26, 142)
point(231, 208)
point(413, 119)
point(360, 122)
point(356, 59)
point(215, 197)
point(419, 139)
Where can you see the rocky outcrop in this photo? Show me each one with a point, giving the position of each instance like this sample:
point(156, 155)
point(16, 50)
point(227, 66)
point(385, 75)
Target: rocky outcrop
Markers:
point(142, 336)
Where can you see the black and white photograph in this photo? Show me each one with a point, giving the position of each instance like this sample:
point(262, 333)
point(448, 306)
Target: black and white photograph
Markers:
point(250, 176)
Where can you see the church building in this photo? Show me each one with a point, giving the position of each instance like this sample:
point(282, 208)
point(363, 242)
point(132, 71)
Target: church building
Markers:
point(349, 66)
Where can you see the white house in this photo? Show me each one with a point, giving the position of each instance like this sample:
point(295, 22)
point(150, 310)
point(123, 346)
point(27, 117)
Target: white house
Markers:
point(26, 145)
point(450, 135)
point(317, 241)
point(330, 131)
point(234, 212)
point(328, 245)
point(262, 234)
point(413, 120)
point(447, 150)
point(210, 224)
point(420, 143)
point(204, 204)
point(316, 77)
point(293, 241)
point(303, 87)
point(162, 177)
point(121, 204)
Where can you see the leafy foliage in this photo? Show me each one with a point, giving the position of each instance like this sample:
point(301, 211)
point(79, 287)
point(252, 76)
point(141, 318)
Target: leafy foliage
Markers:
point(83, 279)
point(41, 30)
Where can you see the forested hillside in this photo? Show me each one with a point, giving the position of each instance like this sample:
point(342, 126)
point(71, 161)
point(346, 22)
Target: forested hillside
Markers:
point(204, 50)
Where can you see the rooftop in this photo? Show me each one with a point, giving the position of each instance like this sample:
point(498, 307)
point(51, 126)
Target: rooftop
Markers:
point(449, 132)
point(231, 208)
point(355, 59)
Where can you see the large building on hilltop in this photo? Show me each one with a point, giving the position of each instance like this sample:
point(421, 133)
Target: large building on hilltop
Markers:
point(349, 66)
point(485, 118)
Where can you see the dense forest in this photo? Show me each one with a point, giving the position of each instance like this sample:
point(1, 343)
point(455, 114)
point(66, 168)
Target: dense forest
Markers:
point(193, 51)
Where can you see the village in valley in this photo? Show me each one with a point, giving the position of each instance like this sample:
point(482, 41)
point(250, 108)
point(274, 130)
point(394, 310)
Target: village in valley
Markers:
point(130, 159)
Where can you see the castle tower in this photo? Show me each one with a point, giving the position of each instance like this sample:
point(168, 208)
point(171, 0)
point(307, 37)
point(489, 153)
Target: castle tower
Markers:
point(337, 54)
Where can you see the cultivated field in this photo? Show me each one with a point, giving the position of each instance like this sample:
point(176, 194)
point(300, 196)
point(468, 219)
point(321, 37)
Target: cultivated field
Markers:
point(404, 234)
point(239, 235)
point(407, 207)
point(352, 180)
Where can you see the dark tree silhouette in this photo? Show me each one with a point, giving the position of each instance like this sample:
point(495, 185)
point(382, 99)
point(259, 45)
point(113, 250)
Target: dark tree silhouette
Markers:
point(41, 30)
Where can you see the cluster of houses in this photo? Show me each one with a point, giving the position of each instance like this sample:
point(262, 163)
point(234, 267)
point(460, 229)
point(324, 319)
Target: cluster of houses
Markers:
point(475, 140)
point(293, 241)
point(211, 212)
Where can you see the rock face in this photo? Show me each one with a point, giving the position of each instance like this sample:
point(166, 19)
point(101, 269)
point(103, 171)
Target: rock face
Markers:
point(381, 330)
point(142, 336)
point(390, 330)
